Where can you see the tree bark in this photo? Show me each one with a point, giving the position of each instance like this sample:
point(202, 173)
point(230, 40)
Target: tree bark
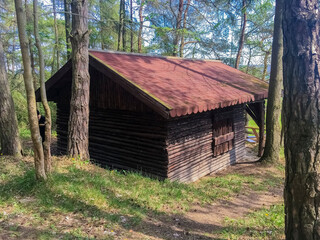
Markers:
point(47, 140)
point(31, 98)
point(56, 37)
point(140, 27)
point(131, 26)
point(101, 24)
point(177, 30)
point(124, 42)
point(78, 131)
point(9, 131)
point(301, 118)
point(242, 35)
point(184, 26)
point(120, 30)
point(273, 131)
point(265, 65)
point(67, 25)
point(29, 33)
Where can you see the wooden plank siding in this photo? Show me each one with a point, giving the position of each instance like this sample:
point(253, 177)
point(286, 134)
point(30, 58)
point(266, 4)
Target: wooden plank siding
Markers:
point(191, 143)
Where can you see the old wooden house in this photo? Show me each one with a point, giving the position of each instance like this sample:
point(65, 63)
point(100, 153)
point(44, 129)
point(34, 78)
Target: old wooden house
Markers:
point(168, 117)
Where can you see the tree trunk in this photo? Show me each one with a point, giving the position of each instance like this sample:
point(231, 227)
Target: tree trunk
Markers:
point(184, 28)
point(177, 30)
point(29, 33)
point(47, 140)
point(272, 147)
point(31, 98)
point(131, 26)
point(301, 118)
point(265, 65)
point(9, 131)
point(56, 37)
point(67, 25)
point(249, 59)
point(124, 43)
point(78, 131)
point(101, 23)
point(120, 30)
point(140, 27)
point(243, 30)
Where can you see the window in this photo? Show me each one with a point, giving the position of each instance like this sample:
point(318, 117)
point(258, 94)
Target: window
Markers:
point(223, 136)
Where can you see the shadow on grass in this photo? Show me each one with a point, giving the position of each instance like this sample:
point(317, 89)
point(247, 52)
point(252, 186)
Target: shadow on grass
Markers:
point(94, 196)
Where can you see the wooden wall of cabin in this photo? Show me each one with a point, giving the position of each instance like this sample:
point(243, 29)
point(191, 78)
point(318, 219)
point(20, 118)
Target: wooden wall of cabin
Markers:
point(203, 143)
point(123, 132)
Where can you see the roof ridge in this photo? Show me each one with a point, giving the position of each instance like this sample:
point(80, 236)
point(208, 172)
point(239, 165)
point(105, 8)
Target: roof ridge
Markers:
point(152, 55)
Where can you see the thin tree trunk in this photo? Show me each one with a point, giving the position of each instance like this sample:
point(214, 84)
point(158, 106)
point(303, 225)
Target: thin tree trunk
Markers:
point(47, 140)
point(265, 65)
point(301, 119)
point(56, 37)
point(242, 35)
point(140, 26)
point(78, 127)
point(131, 26)
point(120, 30)
point(9, 131)
point(184, 28)
point(124, 43)
point(101, 24)
point(249, 59)
point(29, 33)
point(67, 25)
point(178, 26)
point(31, 98)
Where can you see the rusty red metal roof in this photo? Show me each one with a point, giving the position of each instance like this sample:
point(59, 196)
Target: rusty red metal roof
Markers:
point(185, 86)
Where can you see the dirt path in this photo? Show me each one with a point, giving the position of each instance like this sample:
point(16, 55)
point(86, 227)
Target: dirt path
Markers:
point(201, 222)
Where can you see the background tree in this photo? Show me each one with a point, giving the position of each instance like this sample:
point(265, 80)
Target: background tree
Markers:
point(9, 131)
point(272, 147)
point(243, 31)
point(47, 140)
point(301, 118)
point(78, 126)
point(31, 99)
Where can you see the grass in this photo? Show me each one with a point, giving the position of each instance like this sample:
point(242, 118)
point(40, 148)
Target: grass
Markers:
point(262, 224)
point(115, 201)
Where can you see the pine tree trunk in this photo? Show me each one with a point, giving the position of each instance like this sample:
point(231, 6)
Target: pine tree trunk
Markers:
point(67, 25)
point(178, 27)
point(272, 147)
point(249, 59)
point(124, 43)
point(120, 30)
point(101, 24)
point(31, 98)
point(131, 26)
point(242, 35)
point(301, 118)
point(56, 37)
point(47, 141)
point(9, 131)
point(265, 65)
point(184, 27)
point(140, 27)
point(78, 132)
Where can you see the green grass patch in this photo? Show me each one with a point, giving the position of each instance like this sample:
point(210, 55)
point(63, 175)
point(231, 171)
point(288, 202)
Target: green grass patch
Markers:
point(262, 224)
point(82, 189)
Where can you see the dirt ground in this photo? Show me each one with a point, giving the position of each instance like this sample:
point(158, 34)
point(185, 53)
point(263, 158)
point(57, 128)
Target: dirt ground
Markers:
point(201, 222)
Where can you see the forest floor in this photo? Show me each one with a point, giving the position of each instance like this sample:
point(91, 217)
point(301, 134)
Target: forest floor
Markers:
point(83, 201)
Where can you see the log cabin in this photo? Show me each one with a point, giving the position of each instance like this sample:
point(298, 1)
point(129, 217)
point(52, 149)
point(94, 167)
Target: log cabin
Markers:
point(166, 117)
